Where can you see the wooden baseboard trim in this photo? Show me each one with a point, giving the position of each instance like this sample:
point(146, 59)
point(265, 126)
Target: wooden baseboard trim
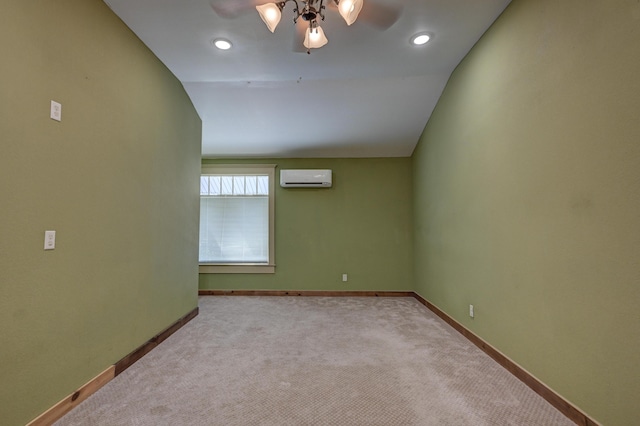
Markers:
point(63, 407)
point(564, 406)
point(305, 293)
point(134, 356)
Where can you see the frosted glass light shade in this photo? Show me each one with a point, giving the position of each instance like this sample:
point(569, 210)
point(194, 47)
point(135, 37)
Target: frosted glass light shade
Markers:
point(349, 10)
point(270, 14)
point(314, 38)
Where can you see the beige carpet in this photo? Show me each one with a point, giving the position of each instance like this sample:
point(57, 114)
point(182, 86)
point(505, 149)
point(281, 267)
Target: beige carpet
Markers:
point(315, 361)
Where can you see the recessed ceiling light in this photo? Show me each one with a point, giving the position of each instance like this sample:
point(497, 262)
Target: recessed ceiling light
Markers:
point(221, 43)
point(420, 39)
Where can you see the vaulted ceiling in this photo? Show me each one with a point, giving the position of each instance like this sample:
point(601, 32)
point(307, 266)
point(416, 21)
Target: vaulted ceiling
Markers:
point(368, 93)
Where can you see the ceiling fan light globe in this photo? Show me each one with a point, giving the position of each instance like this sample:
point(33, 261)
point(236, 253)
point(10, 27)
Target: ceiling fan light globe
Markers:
point(270, 14)
point(314, 38)
point(349, 10)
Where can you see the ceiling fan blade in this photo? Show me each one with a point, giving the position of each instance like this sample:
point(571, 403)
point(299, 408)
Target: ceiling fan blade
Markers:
point(230, 9)
point(379, 15)
point(298, 36)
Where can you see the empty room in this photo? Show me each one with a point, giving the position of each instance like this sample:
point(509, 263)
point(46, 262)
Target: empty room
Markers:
point(233, 212)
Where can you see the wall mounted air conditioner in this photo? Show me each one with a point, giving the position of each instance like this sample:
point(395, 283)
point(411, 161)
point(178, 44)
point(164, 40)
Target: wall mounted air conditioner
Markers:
point(309, 178)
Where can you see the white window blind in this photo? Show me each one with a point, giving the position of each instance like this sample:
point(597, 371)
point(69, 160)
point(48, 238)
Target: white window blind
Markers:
point(234, 219)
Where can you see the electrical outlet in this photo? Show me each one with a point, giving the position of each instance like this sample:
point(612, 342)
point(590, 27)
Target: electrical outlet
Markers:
point(471, 311)
point(345, 278)
point(56, 111)
point(49, 240)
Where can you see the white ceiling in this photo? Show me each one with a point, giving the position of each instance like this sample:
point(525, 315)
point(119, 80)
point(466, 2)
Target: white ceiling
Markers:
point(367, 93)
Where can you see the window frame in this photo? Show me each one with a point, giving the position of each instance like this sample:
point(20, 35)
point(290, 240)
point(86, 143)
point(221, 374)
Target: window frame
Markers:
point(246, 268)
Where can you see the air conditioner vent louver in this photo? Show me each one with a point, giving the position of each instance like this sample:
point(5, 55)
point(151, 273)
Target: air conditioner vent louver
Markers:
point(305, 178)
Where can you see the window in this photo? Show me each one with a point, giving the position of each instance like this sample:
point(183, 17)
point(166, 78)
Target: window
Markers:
point(237, 219)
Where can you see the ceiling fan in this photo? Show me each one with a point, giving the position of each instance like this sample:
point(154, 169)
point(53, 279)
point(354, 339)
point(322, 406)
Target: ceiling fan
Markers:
point(308, 13)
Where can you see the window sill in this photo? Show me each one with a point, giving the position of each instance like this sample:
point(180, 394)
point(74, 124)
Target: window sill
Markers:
point(237, 269)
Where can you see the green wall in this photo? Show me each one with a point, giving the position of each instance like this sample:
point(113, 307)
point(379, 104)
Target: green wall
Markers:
point(523, 200)
point(117, 179)
point(527, 198)
point(361, 226)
